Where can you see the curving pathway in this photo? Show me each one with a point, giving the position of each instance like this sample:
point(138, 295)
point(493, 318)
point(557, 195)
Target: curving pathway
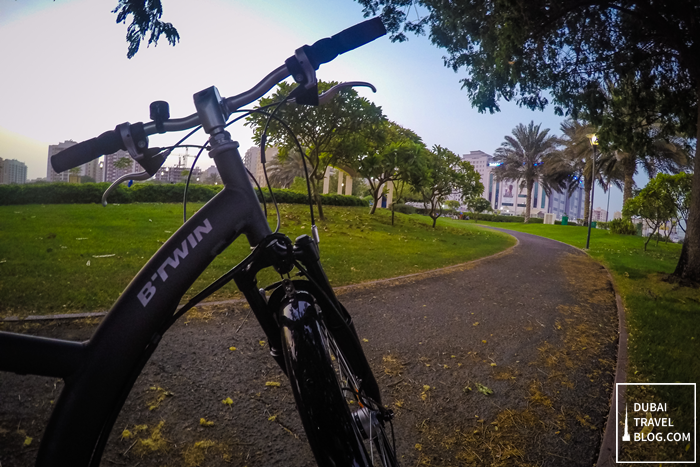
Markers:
point(506, 361)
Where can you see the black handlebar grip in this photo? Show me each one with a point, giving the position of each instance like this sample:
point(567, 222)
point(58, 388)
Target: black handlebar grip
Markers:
point(327, 49)
point(107, 143)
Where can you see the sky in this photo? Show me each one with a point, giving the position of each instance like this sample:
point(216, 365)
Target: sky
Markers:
point(66, 76)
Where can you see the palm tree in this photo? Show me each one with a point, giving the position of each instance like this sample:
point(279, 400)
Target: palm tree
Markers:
point(281, 171)
point(522, 156)
point(575, 162)
point(667, 155)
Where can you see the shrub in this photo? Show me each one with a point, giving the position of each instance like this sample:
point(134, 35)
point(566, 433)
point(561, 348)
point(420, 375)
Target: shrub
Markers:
point(603, 225)
point(405, 209)
point(622, 227)
point(88, 193)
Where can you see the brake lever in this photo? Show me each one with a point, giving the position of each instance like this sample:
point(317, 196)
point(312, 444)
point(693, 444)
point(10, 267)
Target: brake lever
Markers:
point(132, 176)
point(328, 95)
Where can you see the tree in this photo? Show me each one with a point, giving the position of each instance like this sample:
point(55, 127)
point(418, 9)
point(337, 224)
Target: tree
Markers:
point(653, 204)
point(446, 174)
point(522, 156)
point(326, 132)
point(145, 20)
point(570, 48)
point(565, 169)
point(479, 205)
point(393, 153)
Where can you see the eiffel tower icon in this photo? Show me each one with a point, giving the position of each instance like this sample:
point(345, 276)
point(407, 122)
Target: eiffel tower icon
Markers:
point(626, 436)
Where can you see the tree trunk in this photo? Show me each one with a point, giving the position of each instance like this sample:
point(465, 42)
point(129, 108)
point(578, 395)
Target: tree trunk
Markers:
point(317, 197)
point(435, 220)
point(629, 167)
point(375, 196)
point(530, 183)
point(392, 214)
point(690, 270)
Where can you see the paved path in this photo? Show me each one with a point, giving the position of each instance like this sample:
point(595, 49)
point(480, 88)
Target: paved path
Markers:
point(536, 326)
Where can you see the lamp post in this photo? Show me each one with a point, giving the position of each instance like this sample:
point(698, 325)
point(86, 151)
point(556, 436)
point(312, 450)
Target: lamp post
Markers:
point(594, 143)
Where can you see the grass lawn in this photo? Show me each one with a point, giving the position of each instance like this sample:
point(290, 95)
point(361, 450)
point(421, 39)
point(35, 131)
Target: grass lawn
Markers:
point(53, 257)
point(662, 318)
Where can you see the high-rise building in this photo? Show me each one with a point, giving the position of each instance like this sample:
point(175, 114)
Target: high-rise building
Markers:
point(252, 161)
point(12, 171)
point(600, 215)
point(92, 169)
point(112, 172)
point(51, 175)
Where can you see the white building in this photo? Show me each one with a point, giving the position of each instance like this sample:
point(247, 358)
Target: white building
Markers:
point(12, 171)
point(508, 197)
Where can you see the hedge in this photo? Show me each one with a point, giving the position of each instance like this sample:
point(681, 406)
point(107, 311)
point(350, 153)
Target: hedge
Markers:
point(88, 193)
point(499, 218)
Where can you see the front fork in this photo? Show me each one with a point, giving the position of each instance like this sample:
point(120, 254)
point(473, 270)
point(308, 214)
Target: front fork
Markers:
point(277, 251)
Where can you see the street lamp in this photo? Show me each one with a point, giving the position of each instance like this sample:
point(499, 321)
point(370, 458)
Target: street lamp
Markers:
point(594, 143)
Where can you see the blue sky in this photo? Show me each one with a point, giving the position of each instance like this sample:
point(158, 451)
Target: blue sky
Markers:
point(66, 75)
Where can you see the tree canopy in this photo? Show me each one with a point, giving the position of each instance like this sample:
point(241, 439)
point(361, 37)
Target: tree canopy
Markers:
point(447, 175)
point(568, 49)
point(393, 154)
point(326, 133)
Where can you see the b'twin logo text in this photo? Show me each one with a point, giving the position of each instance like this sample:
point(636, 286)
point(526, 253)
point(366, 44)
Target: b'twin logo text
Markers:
point(149, 290)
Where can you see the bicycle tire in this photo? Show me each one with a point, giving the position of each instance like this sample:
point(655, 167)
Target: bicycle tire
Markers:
point(320, 369)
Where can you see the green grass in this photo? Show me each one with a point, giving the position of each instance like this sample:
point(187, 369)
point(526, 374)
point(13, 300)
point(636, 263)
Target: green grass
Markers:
point(45, 250)
point(662, 318)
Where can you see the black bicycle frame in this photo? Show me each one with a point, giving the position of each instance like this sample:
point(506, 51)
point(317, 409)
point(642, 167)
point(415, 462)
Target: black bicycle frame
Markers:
point(131, 330)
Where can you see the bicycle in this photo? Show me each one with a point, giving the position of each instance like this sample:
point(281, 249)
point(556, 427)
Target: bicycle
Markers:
point(310, 334)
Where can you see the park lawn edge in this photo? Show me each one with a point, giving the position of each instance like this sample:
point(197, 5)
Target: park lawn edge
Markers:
point(363, 242)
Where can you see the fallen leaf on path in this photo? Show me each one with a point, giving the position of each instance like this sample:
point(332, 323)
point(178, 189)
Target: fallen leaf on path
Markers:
point(483, 389)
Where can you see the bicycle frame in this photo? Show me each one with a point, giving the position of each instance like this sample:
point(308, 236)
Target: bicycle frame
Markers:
point(132, 325)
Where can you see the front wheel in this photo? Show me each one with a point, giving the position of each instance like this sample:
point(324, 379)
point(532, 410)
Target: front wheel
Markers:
point(345, 426)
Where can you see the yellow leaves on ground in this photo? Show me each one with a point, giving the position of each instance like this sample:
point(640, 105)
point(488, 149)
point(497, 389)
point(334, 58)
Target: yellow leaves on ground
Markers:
point(424, 394)
point(204, 422)
point(419, 447)
point(475, 324)
point(161, 395)
point(365, 340)
point(272, 418)
point(228, 401)
point(154, 443)
point(484, 341)
point(232, 349)
point(262, 343)
point(399, 404)
point(273, 384)
point(28, 440)
point(483, 389)
point(126, 434)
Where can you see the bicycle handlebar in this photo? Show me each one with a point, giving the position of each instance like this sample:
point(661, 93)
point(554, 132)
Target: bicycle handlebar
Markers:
point(107, 143)
point(325, 50)
point(322, 51)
